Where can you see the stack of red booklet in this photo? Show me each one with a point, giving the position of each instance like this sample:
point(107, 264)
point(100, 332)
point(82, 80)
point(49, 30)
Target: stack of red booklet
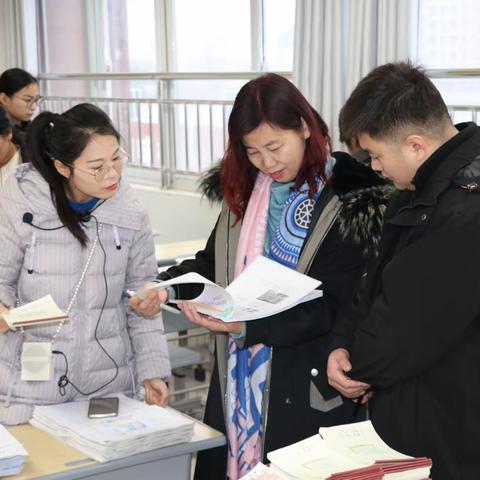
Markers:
point(345, 452)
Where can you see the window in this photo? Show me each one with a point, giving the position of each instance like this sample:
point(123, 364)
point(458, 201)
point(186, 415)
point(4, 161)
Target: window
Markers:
point(448, 38)
point(179, 124)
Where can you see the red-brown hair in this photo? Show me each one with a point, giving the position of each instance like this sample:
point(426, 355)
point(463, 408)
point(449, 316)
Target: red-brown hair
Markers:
point(275, 100)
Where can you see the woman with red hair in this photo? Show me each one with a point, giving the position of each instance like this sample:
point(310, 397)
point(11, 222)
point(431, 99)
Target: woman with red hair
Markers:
point(287, 197)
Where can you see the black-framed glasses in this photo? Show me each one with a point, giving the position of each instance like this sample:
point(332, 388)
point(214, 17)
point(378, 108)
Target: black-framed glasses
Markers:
point(31, 102)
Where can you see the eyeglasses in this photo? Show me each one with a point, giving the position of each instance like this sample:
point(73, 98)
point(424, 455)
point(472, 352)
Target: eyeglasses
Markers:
point(121, 158)
point(31, 102)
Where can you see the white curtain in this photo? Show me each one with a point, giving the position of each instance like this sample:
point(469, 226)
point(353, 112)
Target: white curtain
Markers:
point(337, 42)
point(17, 30)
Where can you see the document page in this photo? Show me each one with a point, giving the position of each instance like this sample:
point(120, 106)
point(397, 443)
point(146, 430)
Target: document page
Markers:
point(360, 442)
point(214, 300)
point(311, 458)
point(266, 287)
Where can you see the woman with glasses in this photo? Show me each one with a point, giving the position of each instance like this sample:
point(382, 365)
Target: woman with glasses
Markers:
point(10, 156)
point(71, 227)
point(19, 95)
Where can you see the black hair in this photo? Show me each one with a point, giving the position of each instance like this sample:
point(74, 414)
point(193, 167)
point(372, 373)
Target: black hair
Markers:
point(389, 99)
point(5, 122)
point(14, 79)
point(63, 137)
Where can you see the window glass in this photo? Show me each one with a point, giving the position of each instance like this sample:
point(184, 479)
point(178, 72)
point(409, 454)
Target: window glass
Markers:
point(448, 38)
point(211, 35)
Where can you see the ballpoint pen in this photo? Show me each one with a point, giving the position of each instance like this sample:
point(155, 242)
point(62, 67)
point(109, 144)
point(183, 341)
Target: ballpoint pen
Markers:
point(163, 306)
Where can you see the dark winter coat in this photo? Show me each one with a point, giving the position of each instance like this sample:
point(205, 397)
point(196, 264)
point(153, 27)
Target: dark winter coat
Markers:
point(418, 338)
point(295, 408)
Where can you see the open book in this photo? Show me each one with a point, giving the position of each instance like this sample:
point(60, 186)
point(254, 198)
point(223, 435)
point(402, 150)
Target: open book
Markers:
point(39, 312)
point(264, 288)
point(347, 452)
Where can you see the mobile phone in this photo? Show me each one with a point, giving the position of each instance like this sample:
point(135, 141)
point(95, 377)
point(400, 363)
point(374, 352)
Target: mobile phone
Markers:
point(103, 407)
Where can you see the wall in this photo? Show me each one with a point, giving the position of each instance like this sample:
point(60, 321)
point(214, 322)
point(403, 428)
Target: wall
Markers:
point(178, 216)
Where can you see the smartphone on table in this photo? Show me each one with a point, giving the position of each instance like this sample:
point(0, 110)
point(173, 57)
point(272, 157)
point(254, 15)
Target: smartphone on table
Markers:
point(103, 407)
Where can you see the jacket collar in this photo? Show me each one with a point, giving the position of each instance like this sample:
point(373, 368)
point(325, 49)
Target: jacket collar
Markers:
point(30, 189)
point(437, 174)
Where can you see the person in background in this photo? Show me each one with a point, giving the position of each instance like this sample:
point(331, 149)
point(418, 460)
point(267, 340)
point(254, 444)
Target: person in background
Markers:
point(10, 156)
point(287, 197)
point(20, 96)
point(414, 341)
point(71, 227)
point(354, 149)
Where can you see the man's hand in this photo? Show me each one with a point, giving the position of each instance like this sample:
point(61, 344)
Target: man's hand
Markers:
point(150, 305)
point(213, 324)
point(337, 367)
point(3, 324)
point(156, 392)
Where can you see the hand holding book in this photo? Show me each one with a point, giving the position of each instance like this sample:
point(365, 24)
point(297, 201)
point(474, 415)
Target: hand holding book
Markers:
point(39, 312)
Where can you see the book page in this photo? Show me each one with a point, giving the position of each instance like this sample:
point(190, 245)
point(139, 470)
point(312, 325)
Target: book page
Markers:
point(41, 311)
point(214, 300)
point(266, 287)
point(311, 458)
point(360, 442)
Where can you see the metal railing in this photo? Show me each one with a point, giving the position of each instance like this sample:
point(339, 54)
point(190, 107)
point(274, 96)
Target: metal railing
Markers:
point(171, 137)
point(171, 140)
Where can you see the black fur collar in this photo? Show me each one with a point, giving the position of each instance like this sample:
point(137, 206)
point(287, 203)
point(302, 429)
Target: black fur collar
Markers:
point(363, 193)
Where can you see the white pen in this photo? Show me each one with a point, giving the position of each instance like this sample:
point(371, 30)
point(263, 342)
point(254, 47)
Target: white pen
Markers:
point(163, 306)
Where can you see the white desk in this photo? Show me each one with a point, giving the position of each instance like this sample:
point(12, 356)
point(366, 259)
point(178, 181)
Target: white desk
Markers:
point(50, 459)
point(178, 250)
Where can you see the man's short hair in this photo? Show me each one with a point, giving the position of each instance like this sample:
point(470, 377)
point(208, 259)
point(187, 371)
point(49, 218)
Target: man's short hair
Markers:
point(392, 100)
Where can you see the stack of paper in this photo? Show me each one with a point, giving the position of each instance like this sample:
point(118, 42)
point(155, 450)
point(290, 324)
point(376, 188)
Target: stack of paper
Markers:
point(137, 428)
point(347, 452)
point(12, 454)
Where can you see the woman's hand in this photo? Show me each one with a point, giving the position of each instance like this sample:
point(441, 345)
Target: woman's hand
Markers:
point(150, 305)
point(3, 324)
point(156, 392)
point(213, 324)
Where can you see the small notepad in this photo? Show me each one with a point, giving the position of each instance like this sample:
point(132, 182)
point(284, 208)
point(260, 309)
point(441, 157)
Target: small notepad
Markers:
point(39, 312)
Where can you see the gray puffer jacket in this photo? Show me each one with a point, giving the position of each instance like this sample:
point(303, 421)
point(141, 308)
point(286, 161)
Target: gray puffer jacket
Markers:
point(34, 263)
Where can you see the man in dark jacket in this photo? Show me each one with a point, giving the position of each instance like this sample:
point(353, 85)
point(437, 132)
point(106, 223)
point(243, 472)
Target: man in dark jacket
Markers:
point(415, 340)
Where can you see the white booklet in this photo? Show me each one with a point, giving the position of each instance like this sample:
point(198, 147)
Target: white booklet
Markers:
point(264, 288)
point(39, 312)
